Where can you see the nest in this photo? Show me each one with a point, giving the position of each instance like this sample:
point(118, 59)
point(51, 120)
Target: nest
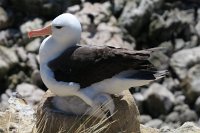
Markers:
point(125, 119)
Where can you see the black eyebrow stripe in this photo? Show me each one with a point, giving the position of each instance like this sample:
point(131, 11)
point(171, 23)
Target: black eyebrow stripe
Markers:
point(58, 27)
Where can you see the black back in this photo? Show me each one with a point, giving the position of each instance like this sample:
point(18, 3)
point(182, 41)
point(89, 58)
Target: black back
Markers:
point(90, 64)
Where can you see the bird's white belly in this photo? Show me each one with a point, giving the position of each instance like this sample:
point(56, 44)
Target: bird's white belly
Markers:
point(117, 85)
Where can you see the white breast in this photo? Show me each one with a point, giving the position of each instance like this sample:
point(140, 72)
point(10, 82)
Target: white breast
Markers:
point(49, 50)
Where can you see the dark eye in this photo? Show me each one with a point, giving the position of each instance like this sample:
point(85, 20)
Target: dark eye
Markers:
point(58, 27)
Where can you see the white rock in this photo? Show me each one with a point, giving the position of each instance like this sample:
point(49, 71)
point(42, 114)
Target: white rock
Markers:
point(183, 59)
point(25, 89)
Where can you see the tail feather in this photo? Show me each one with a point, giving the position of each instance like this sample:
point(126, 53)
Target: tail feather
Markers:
point(160, 74)
point(143, 75)
point(127, 79)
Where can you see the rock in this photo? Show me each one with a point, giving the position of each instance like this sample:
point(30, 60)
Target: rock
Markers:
point(8, 59)
point(4, 102)
point(4, 97)
point(25, 89)
point(171, 84)
point(188, 115)
point(108, 27)
point(9, 36)
point(30, 93)
point(155, 123)
point(21, 54)
point(9, 92)
point(38, 58)
point(147, 129)
point(145, 118)
point(197, 27)
point(18, 117)
point(181, 108)
point(139, 99)
point(5, 19)
point(191, 84)
point(187, 127)
point(159, 59)
point(47, 8)
point(172, 117)
point(33, 46)
point(117, 7)
point(73, 9)
point(99, 27)
point(117, 42)
point(13, 80)
point(197, 105)
point(158, 100)
point(174, 23)
point(179, 44)
point(17, 78)
point(136, 15)
point(30, 25)
point(98, 12)
point(166, 127)
point(105, 38)
point(168, 48)
point(36, 79)
point(178, 93)
point(182, 60)
point(180, 100)
point(99, 38)
point(4, 35)
point(194, 41)
point(36, 97)
point(3, 68)
point(32, 62)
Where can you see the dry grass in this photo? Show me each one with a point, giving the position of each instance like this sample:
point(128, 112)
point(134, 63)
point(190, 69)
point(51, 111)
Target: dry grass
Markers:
point(100, 126)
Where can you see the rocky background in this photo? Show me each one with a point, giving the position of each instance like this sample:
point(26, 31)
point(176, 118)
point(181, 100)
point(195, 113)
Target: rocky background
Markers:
point(132, 24)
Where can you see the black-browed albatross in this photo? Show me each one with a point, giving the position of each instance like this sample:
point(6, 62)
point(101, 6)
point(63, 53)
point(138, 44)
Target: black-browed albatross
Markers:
point(88, 72)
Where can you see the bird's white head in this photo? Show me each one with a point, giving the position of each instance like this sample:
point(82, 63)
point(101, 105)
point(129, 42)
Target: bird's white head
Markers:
point(64, 29)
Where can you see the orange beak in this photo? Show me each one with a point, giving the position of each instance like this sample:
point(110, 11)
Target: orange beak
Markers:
point(40, 32)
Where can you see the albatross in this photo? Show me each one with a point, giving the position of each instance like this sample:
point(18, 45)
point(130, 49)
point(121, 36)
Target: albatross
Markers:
point(89, 72)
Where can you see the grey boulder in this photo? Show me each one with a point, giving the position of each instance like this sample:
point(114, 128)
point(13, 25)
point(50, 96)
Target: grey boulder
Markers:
point(182, 60)
point(8, 59)
point(158, 100)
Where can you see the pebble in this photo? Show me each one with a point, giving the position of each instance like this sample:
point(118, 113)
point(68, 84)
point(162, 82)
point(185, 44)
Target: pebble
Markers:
point(173, 117)
point(145, 118)
point(155, 123)
point(188, 115)
point(25, 89)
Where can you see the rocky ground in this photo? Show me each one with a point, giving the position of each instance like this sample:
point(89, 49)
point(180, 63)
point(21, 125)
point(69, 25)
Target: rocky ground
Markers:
point(132, 24)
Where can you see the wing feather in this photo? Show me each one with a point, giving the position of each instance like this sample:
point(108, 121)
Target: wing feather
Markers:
point(90, 64)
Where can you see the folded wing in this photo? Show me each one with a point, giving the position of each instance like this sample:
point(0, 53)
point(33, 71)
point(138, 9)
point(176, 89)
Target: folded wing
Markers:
point(87, 65)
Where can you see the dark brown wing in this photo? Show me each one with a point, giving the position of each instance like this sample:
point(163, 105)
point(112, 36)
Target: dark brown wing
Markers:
point(90, 64)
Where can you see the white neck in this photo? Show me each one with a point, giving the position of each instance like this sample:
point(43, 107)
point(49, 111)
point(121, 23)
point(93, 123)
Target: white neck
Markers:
point(50, 49)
